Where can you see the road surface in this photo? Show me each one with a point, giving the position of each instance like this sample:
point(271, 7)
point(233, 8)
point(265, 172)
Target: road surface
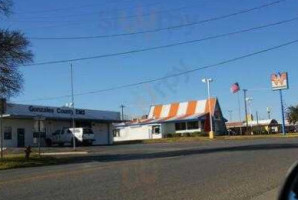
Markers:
point(251, 169)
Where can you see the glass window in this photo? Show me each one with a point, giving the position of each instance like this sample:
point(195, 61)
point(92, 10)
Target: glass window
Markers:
point(192, 125)
point(156, 129)
point(116, 133)
point(180, 126)
point(7, 133)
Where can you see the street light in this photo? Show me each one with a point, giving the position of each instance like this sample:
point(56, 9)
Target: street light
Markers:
point(268, 112)
point(208, 81)
point(249, 101)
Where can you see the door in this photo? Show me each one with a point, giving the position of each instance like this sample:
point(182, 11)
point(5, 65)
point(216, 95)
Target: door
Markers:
point(21, 137)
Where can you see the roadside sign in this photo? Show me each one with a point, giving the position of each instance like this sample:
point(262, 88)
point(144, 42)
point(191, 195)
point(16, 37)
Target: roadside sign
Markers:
point(279, 81)
point(39, 126)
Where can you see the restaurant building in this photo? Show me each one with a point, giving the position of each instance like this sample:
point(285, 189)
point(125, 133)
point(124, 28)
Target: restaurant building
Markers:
point(175, 118)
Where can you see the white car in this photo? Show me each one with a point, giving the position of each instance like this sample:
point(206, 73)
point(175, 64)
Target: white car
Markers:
point(83, 136)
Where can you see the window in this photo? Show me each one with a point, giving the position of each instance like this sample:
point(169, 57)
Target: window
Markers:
point(116, 133)
point(180, 126)
point(7, 133)
point(156, 129)
point(192, 125)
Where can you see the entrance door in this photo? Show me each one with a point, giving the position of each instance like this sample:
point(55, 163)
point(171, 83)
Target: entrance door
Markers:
point(21, 137)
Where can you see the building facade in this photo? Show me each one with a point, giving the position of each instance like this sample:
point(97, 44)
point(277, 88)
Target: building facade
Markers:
point(175, 118)
point(267, 126)
point(21, 122)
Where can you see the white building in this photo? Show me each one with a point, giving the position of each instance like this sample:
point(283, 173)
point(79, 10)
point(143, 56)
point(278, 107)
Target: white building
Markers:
point(19, 123)
point(183, 117)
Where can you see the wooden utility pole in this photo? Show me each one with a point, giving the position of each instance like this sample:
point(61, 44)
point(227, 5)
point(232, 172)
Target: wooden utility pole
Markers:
point(122, 111)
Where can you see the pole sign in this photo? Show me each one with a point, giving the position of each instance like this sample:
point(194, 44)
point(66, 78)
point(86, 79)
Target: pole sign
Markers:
point(279, 81)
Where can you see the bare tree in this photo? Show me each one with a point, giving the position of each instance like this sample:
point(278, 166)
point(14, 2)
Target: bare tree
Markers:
point(5, 6)
point(13, 52)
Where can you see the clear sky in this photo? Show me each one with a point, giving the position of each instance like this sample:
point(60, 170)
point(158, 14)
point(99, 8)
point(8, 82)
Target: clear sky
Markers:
point(71, 18)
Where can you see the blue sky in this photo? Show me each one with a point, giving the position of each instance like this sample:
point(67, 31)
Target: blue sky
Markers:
point(63, 18)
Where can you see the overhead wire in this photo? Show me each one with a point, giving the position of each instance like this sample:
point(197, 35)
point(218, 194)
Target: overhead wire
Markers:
point(68, 8)
point(231, 60)
point(163, 46)
point(165, 28)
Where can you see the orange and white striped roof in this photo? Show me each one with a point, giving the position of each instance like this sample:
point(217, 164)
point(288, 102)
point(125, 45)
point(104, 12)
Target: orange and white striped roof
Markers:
point(180, 111)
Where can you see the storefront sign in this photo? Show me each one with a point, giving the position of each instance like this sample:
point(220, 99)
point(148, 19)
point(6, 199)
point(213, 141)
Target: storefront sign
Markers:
point(279, 81)
point(66, 111)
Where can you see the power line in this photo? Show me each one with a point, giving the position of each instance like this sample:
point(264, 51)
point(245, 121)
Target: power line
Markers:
point(162, 29)
point(177, 74)
point(67, 8)
point(128, 16)
point(164, 46)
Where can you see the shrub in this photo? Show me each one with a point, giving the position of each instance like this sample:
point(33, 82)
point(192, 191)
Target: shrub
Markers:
point(169, 135)
point(187, 134)
point(177, 134)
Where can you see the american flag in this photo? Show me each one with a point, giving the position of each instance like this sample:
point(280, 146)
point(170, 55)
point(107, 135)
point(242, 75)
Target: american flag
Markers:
point(235, 88)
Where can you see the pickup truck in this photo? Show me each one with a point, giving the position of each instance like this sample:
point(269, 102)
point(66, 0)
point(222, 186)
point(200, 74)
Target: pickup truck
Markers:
point(63, 136)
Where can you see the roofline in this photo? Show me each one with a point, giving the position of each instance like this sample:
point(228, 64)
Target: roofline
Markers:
point(8, 116)
point(60, 107)
point(183, 101)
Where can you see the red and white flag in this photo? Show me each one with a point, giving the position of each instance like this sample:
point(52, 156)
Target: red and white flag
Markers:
point(235, 88)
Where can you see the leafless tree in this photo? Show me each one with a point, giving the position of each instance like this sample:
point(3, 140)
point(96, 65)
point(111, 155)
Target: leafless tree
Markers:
point(13, 53)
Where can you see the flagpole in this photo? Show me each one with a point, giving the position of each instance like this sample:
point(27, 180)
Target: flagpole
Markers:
point(239, 110)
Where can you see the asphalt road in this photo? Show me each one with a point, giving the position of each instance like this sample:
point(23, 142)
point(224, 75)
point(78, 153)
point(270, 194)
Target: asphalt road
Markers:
point(221, 170)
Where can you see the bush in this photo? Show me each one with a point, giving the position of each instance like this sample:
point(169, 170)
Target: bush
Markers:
point(187, 134)
point(169, 135)
point(177, 135)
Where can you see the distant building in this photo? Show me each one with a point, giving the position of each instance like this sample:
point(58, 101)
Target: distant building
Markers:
point(20, 123)
point(174, 118)
point(258, 127)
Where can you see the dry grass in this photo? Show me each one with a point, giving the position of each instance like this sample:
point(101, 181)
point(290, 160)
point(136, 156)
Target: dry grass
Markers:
point(19, 161)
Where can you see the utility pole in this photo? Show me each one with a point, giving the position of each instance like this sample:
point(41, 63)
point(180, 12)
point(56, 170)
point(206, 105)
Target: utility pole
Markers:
point(1, 133)
point(73, 109)
point(2, 111)
point(245, 108)
point(122, 111)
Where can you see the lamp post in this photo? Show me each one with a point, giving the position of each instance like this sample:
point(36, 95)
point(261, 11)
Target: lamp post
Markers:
point(249, 101)
point(208, 81)
point(268, 112)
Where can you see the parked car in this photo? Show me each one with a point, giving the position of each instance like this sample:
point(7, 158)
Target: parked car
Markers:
point(64, 136)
